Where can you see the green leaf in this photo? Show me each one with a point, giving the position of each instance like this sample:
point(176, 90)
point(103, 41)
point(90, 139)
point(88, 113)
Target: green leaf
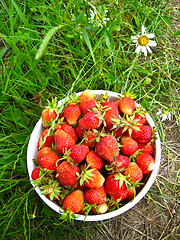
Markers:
point(109, 41)
point(45, 41)
point(21, 15)
point(86, 38)
point(2, 52)
point(79, 18)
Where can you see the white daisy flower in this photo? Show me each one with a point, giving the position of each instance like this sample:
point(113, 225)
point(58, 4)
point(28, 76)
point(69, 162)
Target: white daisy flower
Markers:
point(164, 115)
point(143, 42)
point(94, 18)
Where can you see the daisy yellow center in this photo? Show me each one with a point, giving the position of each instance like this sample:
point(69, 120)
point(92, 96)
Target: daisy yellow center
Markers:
point(143, 40)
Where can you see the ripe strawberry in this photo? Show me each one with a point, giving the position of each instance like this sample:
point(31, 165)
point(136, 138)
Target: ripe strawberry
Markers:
point(134, 172)
point(79, 131)
point(68, 129)
point(129, 145)
point(114, 183)
point(49, 113)
point(94, 160)
point(90, 120)
point(86, 95)
point(122, 162)
point(41, 153)
point(72, 113)
point(78, 153)
point(89, 138)
point(127, 105)
point(146, 148)
point(131, 193)
point(140, 115)
point(111, 111)
point(67, 174)
point(88, 105)
point(141, 119)
point(120, 132)
point(107, 148)
point(49, 139)
point(146, 162)
point(94, 178)
point(74, 201)
point(35, 173)
point(63, 141)
point(121, 195)
point(145, 135)
point(49, 160)
point(95, 195)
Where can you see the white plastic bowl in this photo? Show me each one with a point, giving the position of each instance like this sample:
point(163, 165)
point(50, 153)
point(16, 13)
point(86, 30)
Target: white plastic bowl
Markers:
point(148, 179)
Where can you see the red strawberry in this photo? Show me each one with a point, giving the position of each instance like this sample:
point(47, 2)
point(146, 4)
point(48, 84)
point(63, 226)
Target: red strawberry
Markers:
point(35, 173)
point(89, 138)
point(68, 129)
point(78, 153)
point(141, 119)
point(72, 113)
point(146, 162)
point(41, 153)
point(145, 135)
point(122, 162)
point(49, 113)
point(67, 174)
point(95, 195)
point(129, 145)
point(79, 131)
point(90, 120)
point(114, 183)
point(49, 139)
point(127, 105)
point(120, 132)
point(107, 148)
point(146, 148)
point(94, 160)
point(121, 195)
point(134, 172)
point(74, 201)
point(96, 179)
point(88, 105)
point(86, 95)
point(63, 141)
point(131, 193)
point(49, 160)
point(111, 111)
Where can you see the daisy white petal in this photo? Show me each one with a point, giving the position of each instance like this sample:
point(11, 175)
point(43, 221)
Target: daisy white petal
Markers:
point(169, 116)
point(148, 48)
point(150, 35)
point(163, 117)
point(152, 43)
point(138, 49)
point(135, 37)
point(144, 50)
point(159, 112)
point(143, 30)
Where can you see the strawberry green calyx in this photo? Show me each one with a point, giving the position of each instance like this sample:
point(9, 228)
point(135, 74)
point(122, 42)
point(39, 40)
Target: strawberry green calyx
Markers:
point(85, 175)
point(52, 106)
point(73, 98)
point(67, 216)
point(140, 111)
point(53, 189)
point(127, 123)
point(129, 94)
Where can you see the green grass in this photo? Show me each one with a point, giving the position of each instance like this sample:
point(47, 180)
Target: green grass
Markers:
point(76, 55)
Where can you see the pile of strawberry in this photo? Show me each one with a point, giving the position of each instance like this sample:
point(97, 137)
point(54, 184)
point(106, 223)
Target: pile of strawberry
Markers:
point(93, 154)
